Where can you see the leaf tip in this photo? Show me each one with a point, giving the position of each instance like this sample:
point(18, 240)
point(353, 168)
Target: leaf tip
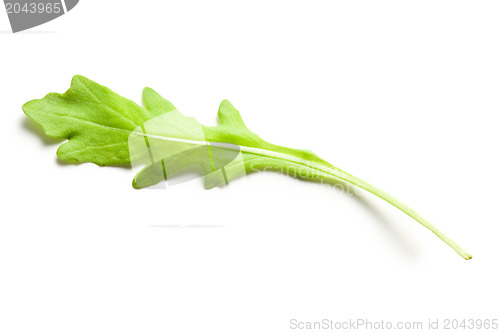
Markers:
point(226, 106)
point(77, 78)
point(228, 114)
point(135, 185)
point(27, 107)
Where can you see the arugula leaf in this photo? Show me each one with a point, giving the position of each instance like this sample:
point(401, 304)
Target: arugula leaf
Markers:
point(107, 129)
point(230, 136)
point(96, 121)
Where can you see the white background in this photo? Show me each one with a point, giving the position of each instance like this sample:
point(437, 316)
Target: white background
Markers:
point(403, 94)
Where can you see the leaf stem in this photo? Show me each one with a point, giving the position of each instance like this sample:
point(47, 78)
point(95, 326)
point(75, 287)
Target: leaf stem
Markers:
point(401, 206)
point(336, 173)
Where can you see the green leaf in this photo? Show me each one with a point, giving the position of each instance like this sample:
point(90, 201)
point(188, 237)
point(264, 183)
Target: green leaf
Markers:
point(105, 128)
point(96, 121)
point(256, 154)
